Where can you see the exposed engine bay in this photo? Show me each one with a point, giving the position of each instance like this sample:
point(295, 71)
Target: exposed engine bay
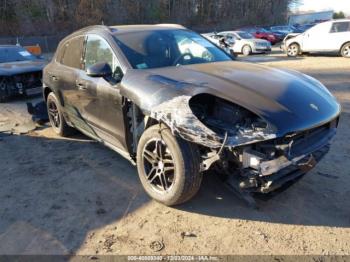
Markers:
point(224, 117)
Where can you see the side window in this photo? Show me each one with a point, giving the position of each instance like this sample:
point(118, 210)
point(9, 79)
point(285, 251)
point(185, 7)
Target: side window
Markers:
point(71, 53)
point(98, 50)
point(340, 27)
point(233, 37)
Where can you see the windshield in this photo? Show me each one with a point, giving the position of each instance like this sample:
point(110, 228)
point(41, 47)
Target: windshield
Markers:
point(245, 35)
point(13, 54)
point(161, 48)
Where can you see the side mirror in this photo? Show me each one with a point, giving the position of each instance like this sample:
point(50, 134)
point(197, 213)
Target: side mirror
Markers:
point(99, 70)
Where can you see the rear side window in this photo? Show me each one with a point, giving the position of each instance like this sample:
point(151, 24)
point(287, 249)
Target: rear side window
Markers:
point(71, 55)
point(339, 27)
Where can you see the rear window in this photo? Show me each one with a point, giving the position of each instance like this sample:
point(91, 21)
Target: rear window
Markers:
point(72, 53)
point(339, 27)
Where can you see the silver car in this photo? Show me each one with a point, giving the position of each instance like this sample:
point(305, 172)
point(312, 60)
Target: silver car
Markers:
point(246, 43)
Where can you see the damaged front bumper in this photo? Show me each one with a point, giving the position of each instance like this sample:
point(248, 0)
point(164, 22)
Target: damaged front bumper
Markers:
point(27, 84)
point(281, 172)
point(258, 159)
point(285, 159)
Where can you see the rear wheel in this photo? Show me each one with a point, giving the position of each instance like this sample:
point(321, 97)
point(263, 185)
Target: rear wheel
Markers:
point(293, 50)
point(246, 50)
point(56, 117)
point(345, 51)
point(168, 166)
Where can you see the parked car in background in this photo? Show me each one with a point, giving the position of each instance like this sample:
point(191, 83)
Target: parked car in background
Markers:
point(178, 115)
point(261, 33)
point(278, 34)
point(20, 72)
point(303, 28)
point(286, 29)
point(225, 43)
point(246, 43)
point(330, 36)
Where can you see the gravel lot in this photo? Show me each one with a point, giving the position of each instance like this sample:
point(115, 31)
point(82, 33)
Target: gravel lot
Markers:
point(74, 196)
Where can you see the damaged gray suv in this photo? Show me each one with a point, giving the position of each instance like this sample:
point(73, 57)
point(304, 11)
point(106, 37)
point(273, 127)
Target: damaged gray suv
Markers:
point(176, 105)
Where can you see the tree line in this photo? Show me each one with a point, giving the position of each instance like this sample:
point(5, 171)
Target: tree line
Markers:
point(48, 17)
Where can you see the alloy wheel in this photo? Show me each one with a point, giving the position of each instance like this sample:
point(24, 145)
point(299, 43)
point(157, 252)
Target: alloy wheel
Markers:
point(54, 115)
point(246, 50)
point(159, 165)
point(293, 50)
point(346, 51)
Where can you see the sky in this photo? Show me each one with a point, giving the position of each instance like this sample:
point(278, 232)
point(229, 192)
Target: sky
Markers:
point(319, 5)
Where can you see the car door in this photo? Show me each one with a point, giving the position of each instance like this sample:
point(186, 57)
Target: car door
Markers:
point(317, 38)
point(102, 106)
point(239, 42)
point(339, 34)
point(63, 77)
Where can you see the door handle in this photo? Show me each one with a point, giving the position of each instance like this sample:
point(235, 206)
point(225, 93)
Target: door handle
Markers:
point(81, 86)
point(54, 78)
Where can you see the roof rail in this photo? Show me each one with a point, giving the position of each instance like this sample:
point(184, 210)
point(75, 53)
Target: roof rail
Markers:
point(103, 27)
point(172, 25)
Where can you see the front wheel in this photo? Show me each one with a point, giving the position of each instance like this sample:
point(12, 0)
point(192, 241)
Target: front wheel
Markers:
point(345, 51)
point(246, 50)
point(168, 166)
point(293, 50)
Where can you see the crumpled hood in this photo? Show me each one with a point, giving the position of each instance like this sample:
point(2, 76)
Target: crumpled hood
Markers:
point(288, 100)
point(14, 68)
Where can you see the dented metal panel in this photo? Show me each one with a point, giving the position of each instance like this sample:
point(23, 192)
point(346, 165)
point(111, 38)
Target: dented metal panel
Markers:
point(279, 97)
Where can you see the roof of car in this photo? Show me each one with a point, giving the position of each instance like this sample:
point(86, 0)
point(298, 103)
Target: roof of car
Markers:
point(340, 20)
point(232, 32)
point(7, 46)
point(118, 29)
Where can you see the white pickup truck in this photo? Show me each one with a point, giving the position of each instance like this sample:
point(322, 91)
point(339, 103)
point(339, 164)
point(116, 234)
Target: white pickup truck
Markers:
point(331, 36)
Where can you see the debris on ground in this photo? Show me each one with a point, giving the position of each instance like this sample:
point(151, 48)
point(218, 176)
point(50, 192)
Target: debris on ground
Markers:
point(187, 234)
point(38, 112)
point(327, 175)
point(262, 235)
point(101, 211)
point(109, 242)
point(157, 246)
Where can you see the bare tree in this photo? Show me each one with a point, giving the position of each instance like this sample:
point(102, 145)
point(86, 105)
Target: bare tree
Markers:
point(36, 17)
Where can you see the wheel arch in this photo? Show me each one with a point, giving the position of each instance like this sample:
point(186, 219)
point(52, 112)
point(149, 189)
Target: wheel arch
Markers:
point(47, 90)
point(347, 42)
point(247, 44)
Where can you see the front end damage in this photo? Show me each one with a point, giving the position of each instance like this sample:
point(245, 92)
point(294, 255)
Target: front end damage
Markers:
point(241, 145)
point(20, 84)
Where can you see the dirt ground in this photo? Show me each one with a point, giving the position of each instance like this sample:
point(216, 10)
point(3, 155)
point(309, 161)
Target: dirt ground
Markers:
point(74, 196)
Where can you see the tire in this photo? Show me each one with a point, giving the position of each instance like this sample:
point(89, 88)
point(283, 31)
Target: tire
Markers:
point(293, 50)
point(345, 50)
point(246, 50)
point(56, 117)
point(182, 179)
point(4, 92)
